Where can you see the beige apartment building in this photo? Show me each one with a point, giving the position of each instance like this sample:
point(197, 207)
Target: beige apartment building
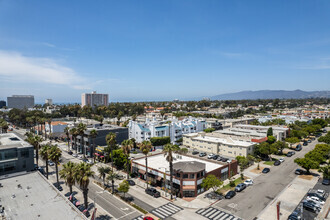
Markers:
point(225, 146)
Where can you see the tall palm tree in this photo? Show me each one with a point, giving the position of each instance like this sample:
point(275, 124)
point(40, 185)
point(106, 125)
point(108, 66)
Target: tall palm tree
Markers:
point(44, 153)
point(103, 172)
point(111, 177)
point(68, 174)
point(55, 154)
point(82, 175)
point(74, 134)
point(49, 120)
point(93, 135)
point(112, 145)
point(127, 147)
point(81, 130)
point(44, 120)
point(145, 147)
point(168, 151)
point(67, 133)
point(35, 141)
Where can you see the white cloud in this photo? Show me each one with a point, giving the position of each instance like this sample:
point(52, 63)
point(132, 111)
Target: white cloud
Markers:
point(320, 64)
point(16, 67)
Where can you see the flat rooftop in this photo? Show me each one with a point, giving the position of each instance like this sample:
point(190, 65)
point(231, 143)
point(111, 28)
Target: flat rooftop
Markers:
point(30, 196)
point(261, 127)
point(11, 140)
point(228, 141)
point(158, 162)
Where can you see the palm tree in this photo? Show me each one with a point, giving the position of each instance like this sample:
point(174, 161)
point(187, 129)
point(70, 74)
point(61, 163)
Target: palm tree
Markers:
point(111, 177)
point(81, 130)
point(74, 134)
point(55, 154)
point(44, 120)
point(49, 120)
point(127, 147)
point(103, 172)
point(145, 147)
point(68, 174)
point(67, 133)
point(93, 135)
point(112, 144)
point(82, 175)
point(168, 151)
point(325, 170)
point(35, 141)
point(44, 153)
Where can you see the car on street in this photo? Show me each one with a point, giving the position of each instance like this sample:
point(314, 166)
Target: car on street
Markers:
point(153, 192)
point(195, 152)
point(240, 187)
point(224, 159)
point(202, 154)
point(265, 170)
point(295, 215)
point(80, 156)
point(70, 152)
point(310, 206)
point(75, 155)
point(299, 171)
point(51, 163)
point(281, 159)
point(290, 153)
point(131, 182)
point(248, 182)
point(41, 170)
point(315, 199)
point(59, 187)
point(326, 181)
point(90, 162)
point(277, 163)
point(148, 218)
point(230, 194)
point(215, 157)
point(305, 143)
point(316, 195)
point(210, 156)
point(219, 158)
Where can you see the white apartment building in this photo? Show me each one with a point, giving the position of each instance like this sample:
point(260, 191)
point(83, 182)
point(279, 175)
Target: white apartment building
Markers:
point(94, 99)
point(20, 101)
point(49, 101)
point(280, 133)
point(171, 127)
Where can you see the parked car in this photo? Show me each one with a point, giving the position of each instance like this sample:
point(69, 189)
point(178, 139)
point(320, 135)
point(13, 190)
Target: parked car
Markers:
point(131, 182)
point(290, 153)
point(70, 152)
point(299, 171)
point(248, 182)
point(148, 218)
point(224, 159)
point(326, 182)
point(240, 187)
point(51, 163)
point(295, 215)
point(315, 199)
point(219, 158)
point(281, 159)
point(265, 170)
point(195, 152)
point(210, 156)
point(321, 192)
point(75, 155)
point(230, 194)
point(59, 187)
point(316, 195)
point(277, 163)
point(202, 154)
point(310, 206)
point(215, 157)
point(41, 170)
point(153, 192)
point(305, 143)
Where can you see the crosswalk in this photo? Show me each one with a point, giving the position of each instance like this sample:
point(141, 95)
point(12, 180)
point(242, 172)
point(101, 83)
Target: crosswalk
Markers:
point(216, 214)
point(163, 211)
point(138, 218)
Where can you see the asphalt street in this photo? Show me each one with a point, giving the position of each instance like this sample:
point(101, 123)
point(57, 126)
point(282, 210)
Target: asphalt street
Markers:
point(250, 202)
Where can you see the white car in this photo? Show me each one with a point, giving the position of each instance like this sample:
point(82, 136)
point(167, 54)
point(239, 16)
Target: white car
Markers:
point(210, 156)
point(51, 163)
point(75, 155)
point(281, 159)
point(248, 182)
point(90, 162)
point(315, 199)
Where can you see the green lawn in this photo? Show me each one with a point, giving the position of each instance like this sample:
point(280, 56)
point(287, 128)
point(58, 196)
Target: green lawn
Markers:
point(271, 163)
point(227, 187)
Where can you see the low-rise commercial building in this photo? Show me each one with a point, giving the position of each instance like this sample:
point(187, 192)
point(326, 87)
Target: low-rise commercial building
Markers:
point(280, 133)
point(188, 172)
point(16, 155)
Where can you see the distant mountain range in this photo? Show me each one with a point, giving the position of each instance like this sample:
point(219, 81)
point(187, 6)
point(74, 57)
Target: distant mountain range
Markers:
point(272, 94)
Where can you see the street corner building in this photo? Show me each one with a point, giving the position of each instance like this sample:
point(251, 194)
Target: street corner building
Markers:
point(188, 172)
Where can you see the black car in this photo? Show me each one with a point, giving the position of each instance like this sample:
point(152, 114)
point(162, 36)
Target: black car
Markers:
point(230, 194)
point(299, 171)
point(219, 158)
point(153, 192)
point(290, 154)
point(41, 170)
point(277, 163)
point(305, 143)
point(59, 187)
point(195, 152)
point(316, 195)
point(131, 182)
point(215, 157)
point(70, 152)
point(240, 187)
point(265, 170)
point(295, 215)
point(224, 159)
point(310, 206)
point(326, 182)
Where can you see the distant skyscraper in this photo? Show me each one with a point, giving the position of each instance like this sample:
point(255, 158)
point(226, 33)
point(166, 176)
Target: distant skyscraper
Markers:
point(49, 101)
point(2, 104)
point(94, 98)
point(20, 101)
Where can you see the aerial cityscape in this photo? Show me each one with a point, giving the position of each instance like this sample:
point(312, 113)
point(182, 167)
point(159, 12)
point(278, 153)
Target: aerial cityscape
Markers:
point(147, 110)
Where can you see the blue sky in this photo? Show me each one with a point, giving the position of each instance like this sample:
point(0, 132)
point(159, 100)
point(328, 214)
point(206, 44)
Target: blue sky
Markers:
point(162, 50)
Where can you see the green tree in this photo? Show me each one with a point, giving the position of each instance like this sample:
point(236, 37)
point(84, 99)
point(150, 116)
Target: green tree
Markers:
point(81, 130)
point(145, 147)
point(44, 153)
point(325, 139)
point(160, 141)
point(54, 155)
point(68, 174)
point(319, 121)
point(292, 140)
point(67, 133)
point(127, 146)
point(93, 135)
point(111, 145)
point(103, 172)
point(123, 187)
point(306, 163)
point(266, 149)
point(112, 176)
point(209, 130)
point(316, 156)
point(82, 175)
point(270, 132)
point(74, 133)
point(280, 145)
point(271, 139)
point(325, 170)
point(211, 182)
point(35, 141)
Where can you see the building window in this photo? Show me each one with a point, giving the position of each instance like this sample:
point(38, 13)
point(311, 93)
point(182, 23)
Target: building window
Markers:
point(178, 175)
point(25, 153)
point(192, 176)
point(198, 175)
point(185, 176)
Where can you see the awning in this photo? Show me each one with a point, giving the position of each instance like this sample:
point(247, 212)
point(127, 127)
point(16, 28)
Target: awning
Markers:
point(142, 172)
point(97, 154)
point(188, 187)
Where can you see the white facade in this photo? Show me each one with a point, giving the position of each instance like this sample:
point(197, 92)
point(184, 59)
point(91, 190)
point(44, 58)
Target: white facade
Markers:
point(56, 126)
point(171, 127)
point(49, 101)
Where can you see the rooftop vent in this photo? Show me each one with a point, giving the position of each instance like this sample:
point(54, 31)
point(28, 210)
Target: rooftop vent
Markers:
point(14, 139)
